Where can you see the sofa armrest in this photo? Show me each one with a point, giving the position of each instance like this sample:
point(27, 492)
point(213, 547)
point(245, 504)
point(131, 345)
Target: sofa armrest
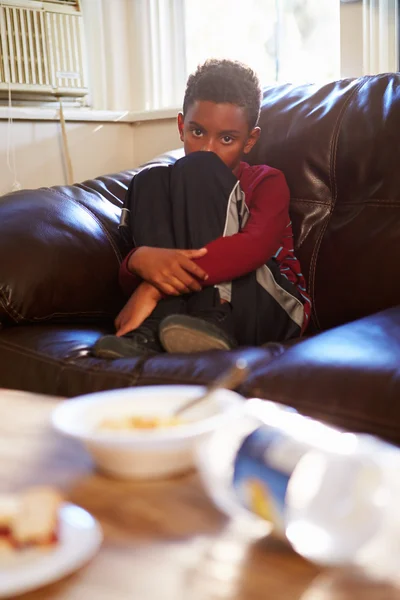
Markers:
point(348, 376)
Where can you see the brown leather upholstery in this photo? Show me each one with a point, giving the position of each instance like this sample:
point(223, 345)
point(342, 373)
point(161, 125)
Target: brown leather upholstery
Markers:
point(349, 375)
point(56, 360)
point(338, 145)
point(59, 259)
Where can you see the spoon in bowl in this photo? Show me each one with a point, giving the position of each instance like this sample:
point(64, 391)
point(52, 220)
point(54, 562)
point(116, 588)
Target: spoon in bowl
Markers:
point(229, 380)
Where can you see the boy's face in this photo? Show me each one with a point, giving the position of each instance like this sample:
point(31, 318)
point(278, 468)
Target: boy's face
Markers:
point(221, 128)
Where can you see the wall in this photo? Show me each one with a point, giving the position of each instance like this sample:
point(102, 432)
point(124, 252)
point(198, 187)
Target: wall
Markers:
point(369, 39)
point(154, 137)
point(95, 148)
point(351, 40)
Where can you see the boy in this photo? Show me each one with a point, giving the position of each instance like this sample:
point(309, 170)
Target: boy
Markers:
point(212, 264)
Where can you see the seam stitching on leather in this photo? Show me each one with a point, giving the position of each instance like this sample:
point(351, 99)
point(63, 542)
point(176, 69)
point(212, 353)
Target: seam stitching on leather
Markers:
point(73, 366)
point(10, 310)
point(19, 318)
point(97, 313)
point(308, 201)
point(332, 179)
point(27, 352)
point(128, 378)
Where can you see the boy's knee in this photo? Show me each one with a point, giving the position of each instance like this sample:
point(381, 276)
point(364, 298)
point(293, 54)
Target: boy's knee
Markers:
point(196, 161)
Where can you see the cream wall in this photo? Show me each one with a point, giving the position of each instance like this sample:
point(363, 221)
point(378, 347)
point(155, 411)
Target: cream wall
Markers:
point(95, 149)
point(351, 40)
point(154, 137)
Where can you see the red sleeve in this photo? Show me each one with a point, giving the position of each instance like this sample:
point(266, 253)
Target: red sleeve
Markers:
point(231, 257)
point(128, 281)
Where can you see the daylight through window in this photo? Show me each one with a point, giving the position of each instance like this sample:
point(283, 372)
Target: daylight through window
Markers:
point(283, 40)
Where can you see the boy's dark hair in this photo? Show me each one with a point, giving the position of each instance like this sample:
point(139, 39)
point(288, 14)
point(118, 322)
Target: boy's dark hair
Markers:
point(225, 81)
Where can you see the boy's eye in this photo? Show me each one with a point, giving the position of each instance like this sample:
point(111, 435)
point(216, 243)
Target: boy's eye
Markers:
point(227, 139)
point(197, 132)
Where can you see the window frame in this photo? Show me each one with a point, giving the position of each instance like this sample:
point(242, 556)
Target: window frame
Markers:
point(126, 82)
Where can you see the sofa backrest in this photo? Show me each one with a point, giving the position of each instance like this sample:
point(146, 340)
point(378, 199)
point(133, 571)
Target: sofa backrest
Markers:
point(60, 252)
point(58, 256)
point(339, 147)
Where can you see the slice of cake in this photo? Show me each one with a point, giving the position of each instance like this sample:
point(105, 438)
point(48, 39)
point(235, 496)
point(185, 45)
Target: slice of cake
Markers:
point(31, 518)
point(9, 506)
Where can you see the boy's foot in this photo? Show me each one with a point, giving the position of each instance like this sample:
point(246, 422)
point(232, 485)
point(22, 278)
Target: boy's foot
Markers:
point(141, 341)
point(206, 328)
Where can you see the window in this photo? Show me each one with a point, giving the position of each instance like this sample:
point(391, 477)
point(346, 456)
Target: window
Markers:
point(140, 52)
point(283, 40)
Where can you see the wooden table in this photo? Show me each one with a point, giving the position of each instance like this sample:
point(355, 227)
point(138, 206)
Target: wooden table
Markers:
point(163, 540)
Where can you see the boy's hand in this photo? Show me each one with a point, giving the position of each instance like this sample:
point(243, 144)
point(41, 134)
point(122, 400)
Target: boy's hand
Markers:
point(173, 272)
point(139, 306)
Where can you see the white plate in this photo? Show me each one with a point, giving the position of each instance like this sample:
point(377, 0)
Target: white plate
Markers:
point(80, 538)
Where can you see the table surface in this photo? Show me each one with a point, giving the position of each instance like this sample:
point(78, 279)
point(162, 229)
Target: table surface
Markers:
point(163, 540)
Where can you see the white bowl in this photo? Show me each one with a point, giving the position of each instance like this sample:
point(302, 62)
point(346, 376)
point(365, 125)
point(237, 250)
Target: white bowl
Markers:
point(159, 452)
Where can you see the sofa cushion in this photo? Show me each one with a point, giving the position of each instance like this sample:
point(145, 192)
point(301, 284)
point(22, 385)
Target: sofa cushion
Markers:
point(349, 376)
point(203, 367)
point(55, 359)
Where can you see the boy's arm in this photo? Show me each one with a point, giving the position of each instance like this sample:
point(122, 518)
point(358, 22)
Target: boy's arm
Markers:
point(128, 281)
point(139, 306)
point(233, 256)
point(172, 271)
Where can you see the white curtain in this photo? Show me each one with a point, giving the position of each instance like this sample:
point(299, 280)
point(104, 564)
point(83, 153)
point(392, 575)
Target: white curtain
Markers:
point(136, 53)
point(163, 49)
point(380, 34)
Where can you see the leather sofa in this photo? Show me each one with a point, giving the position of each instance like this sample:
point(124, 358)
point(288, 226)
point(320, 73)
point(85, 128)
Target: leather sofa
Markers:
point(339, 147)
